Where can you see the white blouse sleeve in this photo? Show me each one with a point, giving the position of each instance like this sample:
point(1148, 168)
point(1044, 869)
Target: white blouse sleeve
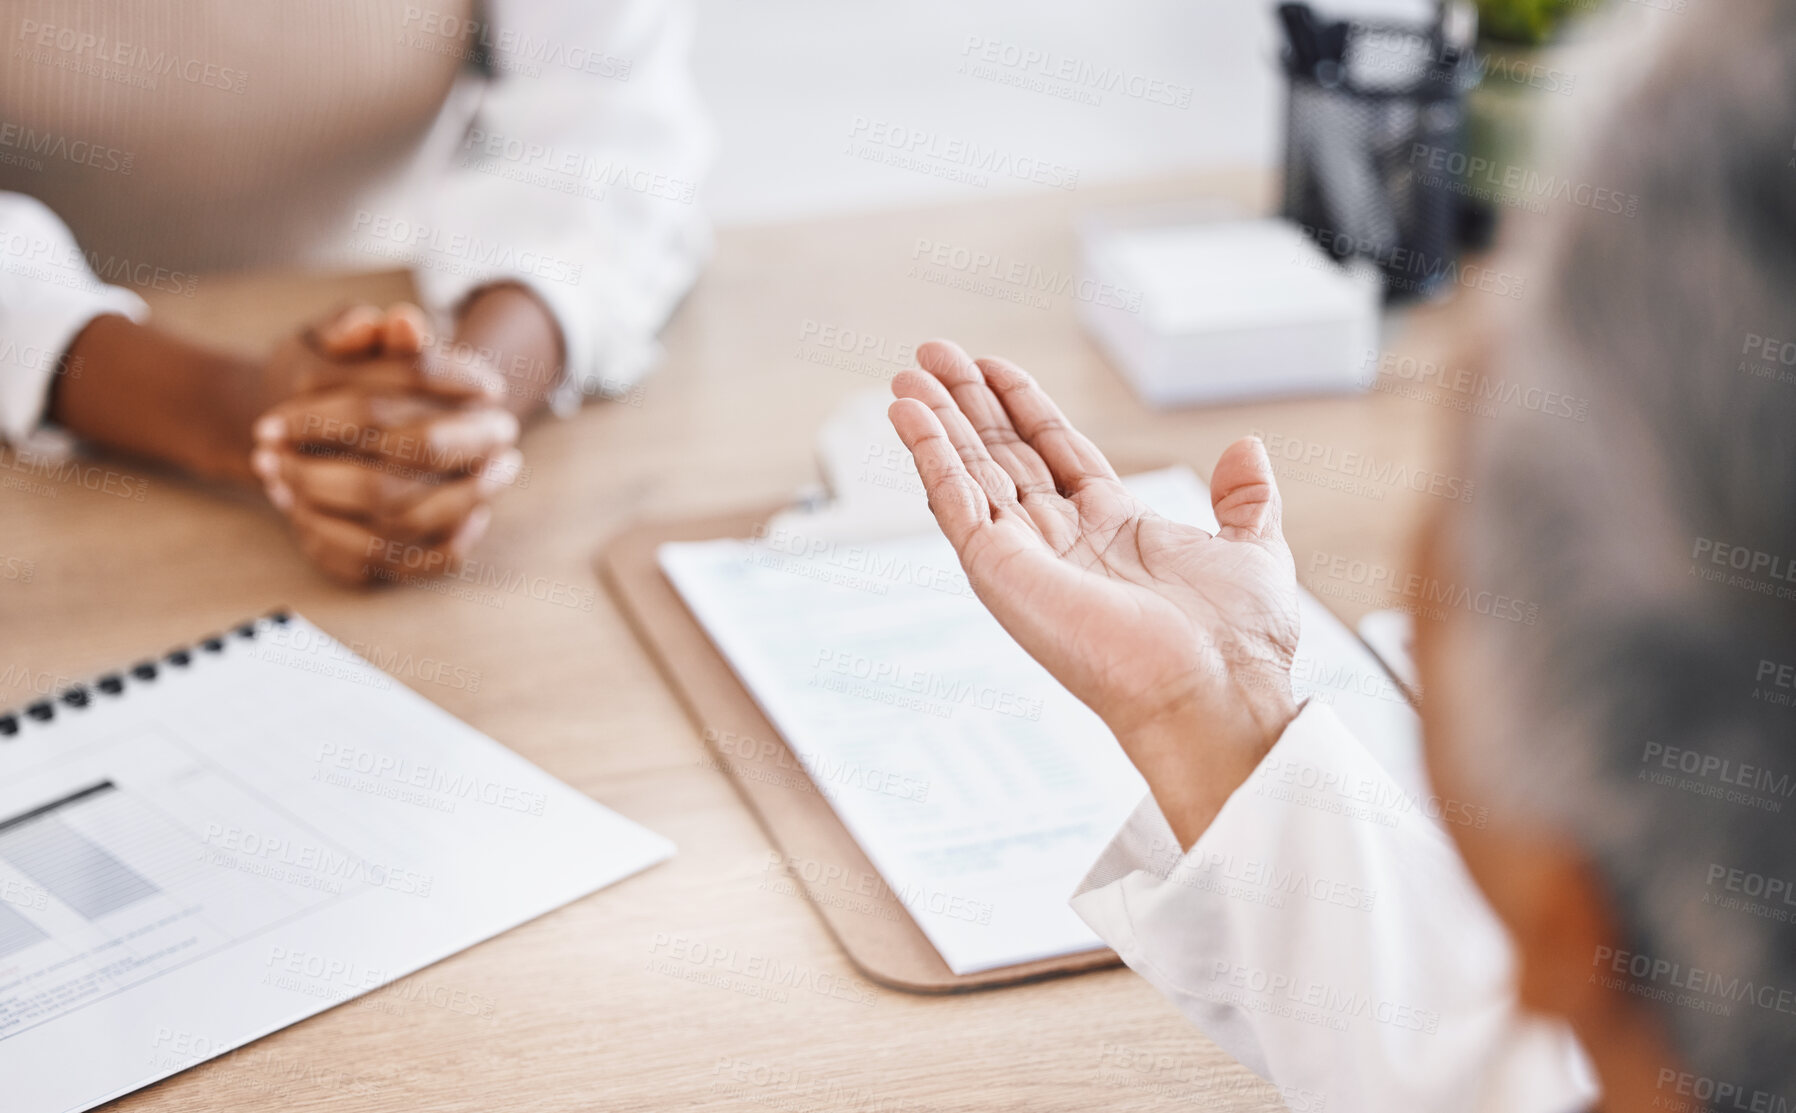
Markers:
point(1325, 932)
point(48, 294)
point(579, 177)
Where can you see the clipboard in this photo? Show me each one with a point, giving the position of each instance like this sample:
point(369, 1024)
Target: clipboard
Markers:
point(876, 932)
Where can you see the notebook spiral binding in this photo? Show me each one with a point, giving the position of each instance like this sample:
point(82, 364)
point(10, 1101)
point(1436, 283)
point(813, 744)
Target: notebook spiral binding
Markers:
point(78, 696)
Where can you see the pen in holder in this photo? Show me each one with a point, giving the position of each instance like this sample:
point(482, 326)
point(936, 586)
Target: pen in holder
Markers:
point(1373, 132)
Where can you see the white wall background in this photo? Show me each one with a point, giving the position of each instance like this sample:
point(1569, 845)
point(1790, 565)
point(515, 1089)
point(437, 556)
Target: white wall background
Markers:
point(786, 80)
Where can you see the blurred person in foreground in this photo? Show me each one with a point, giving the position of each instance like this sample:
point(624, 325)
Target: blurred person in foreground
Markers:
point(1618, 936)
point(532, 163)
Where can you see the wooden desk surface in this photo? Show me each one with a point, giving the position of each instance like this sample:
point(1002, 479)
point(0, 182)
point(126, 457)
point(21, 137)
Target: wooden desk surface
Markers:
point(590, 1007)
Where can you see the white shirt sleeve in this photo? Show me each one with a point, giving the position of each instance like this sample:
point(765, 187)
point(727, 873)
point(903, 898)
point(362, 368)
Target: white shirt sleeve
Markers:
point(580, 172)
point(48, 294)
point(1325, 932)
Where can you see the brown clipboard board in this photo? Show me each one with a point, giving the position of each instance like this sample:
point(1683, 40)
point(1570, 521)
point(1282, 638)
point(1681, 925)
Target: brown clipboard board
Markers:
point(870, 923)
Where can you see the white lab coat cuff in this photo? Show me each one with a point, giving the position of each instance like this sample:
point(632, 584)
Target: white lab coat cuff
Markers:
point(1145, 858)
point(1146, 844)
point(1325, 932)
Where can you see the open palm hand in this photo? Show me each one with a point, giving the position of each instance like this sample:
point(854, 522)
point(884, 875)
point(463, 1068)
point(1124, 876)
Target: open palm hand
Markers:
point(1181, 640)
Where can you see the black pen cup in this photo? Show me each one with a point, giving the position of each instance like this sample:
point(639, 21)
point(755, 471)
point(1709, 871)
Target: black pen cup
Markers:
point(1374, 163)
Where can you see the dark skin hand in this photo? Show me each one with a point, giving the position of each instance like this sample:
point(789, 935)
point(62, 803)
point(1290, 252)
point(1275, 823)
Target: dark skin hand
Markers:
point(391, 447)
point(381, 444)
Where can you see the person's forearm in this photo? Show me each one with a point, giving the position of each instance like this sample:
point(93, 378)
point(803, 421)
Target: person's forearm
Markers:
point(148, 393)
point(514, 330)
point(1194, 761)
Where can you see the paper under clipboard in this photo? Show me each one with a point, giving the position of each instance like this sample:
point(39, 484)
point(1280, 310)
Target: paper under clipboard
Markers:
point(936, 794)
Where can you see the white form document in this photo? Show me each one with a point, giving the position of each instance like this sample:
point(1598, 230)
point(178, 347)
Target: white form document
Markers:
point(198, 859)
point(977, 785)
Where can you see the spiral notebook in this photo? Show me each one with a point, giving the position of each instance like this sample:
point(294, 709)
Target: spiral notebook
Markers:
point(212, 845)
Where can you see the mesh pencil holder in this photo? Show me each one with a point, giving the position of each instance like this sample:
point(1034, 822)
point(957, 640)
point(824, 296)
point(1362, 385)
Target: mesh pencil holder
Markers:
point(1373, 160)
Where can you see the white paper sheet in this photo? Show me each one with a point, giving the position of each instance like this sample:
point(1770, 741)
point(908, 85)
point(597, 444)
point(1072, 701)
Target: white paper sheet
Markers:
point(977, 785)
point(242, 842)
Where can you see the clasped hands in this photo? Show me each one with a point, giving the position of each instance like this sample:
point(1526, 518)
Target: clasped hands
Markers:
point(388, 448)
point(1181, 640)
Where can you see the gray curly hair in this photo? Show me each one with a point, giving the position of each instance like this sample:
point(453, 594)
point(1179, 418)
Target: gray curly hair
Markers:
point(1654, 703)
